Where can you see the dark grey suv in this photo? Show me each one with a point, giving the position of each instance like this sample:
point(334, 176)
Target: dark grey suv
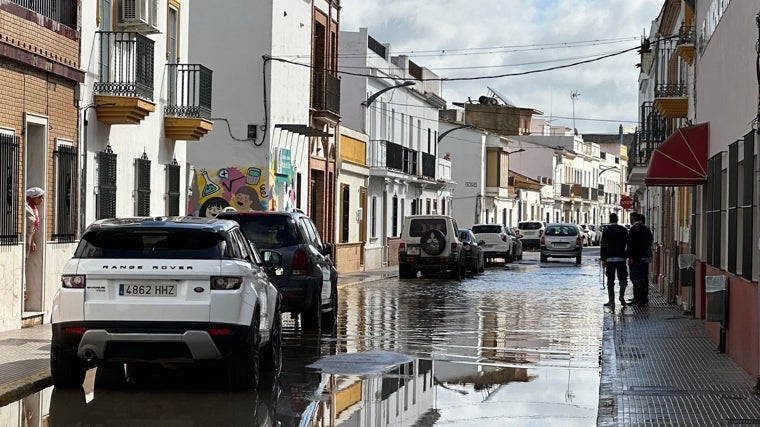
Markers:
point(308, 280)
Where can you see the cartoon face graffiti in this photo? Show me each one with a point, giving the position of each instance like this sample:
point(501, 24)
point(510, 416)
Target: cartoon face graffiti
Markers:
point(212, 207)
point(246, 200)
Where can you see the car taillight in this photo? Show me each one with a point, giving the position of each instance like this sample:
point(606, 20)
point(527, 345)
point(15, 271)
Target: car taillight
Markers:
point(300, 262)
point(543, 241)
point(503, 237)
point(215, 332)
point(401, 247)
point(73, 281)
point(74, 330)
point(226, 283)
point(454, 247)
point(577, 241)
point(466, 247)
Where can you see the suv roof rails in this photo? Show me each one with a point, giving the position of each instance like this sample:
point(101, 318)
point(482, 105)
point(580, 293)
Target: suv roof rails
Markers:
point(297, 211)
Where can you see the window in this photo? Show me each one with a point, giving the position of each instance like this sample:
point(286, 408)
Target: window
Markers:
point(172, 189)
point(142, 186)
point(345, 205)
point(105, 200)
point(9, 203)
point(65, 193)
point(394, 217)
point(373, 217)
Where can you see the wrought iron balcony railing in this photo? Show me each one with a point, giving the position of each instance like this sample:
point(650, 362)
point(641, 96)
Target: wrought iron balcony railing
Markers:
point(188, 91)
point(325, 92)
point(670, 90)
point(62, 11)
point(125, 65)
point(428, 165)
point(389, 155)
point(687, 34)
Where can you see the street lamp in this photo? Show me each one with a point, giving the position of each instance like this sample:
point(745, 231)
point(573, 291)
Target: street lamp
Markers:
point(442, 135)
point(83, 165)
point(375, 95)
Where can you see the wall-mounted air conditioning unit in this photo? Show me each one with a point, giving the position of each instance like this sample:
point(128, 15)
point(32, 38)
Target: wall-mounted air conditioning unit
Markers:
point(139, 15)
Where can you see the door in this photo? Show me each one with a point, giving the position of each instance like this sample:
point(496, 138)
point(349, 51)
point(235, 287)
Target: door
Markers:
point(35, 170)
point(362, 222)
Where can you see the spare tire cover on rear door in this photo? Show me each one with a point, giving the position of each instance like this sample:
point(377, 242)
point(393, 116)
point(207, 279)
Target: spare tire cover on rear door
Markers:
point(433, 242)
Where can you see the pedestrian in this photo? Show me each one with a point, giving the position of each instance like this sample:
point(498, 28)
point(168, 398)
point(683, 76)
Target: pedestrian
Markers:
point(613, 252)
point(34, 197)
point(639, 257)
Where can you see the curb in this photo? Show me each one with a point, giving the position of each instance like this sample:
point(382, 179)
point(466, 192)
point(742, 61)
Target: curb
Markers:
point(16, 390)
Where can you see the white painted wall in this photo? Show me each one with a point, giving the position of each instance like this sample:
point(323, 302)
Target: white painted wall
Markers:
point(467, 149)
point(239, 98)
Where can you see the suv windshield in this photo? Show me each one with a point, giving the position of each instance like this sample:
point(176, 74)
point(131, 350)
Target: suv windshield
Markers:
point(419, 226)
point(478, 229)
point(529, 225)
point(151, 243)
point(268, 231)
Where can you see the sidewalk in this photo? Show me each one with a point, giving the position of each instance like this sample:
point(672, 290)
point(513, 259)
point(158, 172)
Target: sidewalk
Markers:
point(659, 368)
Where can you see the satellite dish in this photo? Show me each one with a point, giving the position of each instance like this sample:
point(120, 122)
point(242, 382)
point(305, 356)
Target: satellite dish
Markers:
point(503, 98)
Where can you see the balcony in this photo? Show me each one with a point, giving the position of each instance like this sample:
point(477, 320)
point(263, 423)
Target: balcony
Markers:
point(428, 166)
point(62, 11)
point(124, 92)
point(687, 37)
point(387, 156)
point(325, 95)
point(187, 115)
point(670, 99)
point(651, 133)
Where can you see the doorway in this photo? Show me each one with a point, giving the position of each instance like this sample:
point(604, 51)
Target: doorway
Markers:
point(35, 172)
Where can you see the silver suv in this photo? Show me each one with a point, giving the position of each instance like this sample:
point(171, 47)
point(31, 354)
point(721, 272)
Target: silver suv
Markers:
point(430, 243)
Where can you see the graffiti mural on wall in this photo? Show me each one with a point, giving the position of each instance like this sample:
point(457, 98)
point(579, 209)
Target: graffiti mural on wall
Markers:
point(240, 187)
point(245, 188)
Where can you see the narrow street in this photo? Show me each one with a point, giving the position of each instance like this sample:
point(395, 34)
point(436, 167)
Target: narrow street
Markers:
point(517, 345)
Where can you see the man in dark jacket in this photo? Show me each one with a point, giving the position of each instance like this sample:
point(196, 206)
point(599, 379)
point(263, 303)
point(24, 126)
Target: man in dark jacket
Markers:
point(639, 258)
point(613, 252)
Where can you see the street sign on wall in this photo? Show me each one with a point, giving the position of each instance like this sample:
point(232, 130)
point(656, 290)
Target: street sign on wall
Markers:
point(626, 202)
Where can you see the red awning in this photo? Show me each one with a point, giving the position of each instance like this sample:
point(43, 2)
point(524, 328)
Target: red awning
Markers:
point(682, 159)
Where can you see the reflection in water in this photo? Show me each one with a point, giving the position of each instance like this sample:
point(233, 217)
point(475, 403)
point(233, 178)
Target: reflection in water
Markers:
point(494, 350)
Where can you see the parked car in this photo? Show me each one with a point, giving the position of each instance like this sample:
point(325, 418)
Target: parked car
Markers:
point(308, 281)
point(531, 232)
point(430, 243)
point(562, 240)
point(473, 251)
point(166, 290)
point(498, 242)
point(517, 246)
point(588, 234)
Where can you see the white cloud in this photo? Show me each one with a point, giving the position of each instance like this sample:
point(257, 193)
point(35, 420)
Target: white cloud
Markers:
point(608, 87)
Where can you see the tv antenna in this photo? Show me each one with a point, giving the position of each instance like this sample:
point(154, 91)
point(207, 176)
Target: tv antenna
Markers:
point(574, 95)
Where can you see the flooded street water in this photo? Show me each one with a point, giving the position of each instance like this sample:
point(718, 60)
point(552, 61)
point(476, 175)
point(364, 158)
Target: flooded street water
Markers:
point(518, 345)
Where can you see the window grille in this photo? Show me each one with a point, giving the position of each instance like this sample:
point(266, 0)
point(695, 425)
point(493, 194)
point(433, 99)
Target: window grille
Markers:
point(172, 188)
point(65, 202)
point(106, 198)
point(9, 202)
point(142, 186)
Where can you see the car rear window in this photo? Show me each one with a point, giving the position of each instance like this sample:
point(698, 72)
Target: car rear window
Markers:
point(269, 231)
point(418, 226)
point(561, 230)
point(529, 225)
point(151, 243)
point(478, 229)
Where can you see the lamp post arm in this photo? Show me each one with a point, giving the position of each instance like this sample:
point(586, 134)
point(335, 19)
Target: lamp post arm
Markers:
point(442, 135)
point(375, 95)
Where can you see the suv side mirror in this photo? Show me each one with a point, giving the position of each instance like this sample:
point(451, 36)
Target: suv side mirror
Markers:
point(481, 242)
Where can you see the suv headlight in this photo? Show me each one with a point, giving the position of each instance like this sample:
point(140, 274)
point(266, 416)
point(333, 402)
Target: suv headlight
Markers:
point(73, 281)
point(225, 283)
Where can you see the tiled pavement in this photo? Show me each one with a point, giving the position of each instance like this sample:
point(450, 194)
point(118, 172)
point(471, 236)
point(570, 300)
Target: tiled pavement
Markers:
point(659, 368)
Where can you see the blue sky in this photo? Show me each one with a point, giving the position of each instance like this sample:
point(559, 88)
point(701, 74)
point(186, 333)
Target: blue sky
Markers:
point(477, 38)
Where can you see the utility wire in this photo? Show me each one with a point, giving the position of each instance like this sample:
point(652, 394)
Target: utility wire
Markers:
point(453, 79)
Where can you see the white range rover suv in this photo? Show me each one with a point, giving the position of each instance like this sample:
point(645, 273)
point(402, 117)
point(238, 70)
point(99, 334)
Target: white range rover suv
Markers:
point(166, 291)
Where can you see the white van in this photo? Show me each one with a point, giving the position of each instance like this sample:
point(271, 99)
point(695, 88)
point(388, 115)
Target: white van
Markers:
point(531, 232)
